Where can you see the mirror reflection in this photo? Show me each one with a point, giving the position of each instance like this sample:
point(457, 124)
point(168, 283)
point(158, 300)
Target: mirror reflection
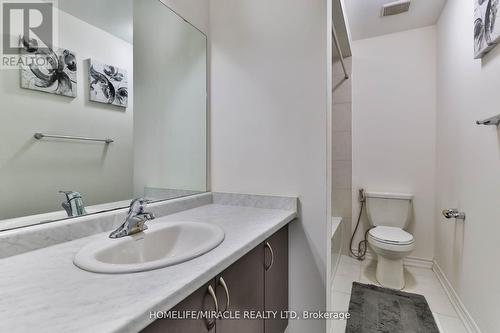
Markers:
point(117, 112)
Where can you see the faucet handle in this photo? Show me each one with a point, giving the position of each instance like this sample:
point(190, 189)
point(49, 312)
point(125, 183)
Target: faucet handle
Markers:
point(71, 194)
point(138, 205)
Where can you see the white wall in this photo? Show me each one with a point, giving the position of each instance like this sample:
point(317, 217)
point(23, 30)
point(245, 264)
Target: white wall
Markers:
point(113, 16)
point(394, 111)
point(195, 11)
point(269, 122)
point(171, 100)
point(468, 164)
point(32, 172)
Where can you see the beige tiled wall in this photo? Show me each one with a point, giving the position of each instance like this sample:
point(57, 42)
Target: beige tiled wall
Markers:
point(342, 147)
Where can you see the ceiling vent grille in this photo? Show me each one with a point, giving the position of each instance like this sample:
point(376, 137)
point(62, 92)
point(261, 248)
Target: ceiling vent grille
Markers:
point(395, 7)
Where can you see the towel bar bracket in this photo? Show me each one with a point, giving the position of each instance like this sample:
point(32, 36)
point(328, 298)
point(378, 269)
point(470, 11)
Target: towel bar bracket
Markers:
point(494, 121)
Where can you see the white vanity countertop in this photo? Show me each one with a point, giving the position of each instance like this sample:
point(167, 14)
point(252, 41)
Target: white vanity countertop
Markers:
point(42, 291)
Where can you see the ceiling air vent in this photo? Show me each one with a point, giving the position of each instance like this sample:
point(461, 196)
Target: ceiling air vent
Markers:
point(395, 7)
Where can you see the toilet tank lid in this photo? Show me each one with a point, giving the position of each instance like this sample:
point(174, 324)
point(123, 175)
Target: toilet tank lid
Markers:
point(384, 195)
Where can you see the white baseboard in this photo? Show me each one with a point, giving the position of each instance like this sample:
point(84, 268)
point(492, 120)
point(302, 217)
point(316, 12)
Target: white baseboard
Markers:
point(418, 262)
point(468, 321)
point(408, 261)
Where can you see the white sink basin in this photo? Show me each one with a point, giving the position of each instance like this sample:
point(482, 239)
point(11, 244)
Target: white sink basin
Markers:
point(161, 245)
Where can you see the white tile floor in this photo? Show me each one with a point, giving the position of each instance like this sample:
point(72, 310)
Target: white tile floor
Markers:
point(418, 280)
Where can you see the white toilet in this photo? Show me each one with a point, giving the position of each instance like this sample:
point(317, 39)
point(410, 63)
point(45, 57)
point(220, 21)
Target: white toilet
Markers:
point(389, 214)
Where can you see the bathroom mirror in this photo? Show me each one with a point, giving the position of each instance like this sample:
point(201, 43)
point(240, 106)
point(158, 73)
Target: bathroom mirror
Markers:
point(125, 117)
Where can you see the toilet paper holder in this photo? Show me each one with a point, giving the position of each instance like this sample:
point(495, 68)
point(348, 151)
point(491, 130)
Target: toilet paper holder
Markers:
point(453, 213)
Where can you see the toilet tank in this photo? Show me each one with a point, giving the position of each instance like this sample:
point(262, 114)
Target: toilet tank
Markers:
point(389, 209)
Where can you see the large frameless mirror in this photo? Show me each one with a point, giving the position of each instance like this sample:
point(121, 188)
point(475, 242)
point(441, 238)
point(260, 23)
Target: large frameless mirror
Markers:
point(118, 110)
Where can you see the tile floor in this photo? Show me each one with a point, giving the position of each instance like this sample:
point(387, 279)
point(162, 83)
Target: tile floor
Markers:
point(418, 280)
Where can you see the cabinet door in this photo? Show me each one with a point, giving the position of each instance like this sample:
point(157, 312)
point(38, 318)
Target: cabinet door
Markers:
point(245, 291)
point(276, 279)
point(200, 300)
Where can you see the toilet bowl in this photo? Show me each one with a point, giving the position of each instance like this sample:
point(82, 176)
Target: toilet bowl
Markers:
point(389, 214)
point(391, 245)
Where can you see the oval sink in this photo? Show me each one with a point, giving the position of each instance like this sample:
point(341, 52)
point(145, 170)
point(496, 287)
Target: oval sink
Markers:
point(161, 245)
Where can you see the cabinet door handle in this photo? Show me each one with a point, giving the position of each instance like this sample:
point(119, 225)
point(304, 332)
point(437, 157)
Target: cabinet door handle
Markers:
point(226, 290)
point(272, 255)
point(210, 290)
point(212, 293)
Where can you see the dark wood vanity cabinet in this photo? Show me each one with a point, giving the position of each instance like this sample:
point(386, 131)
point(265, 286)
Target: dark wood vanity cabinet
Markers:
point(256, 282)
point(276, 280)
point(200, 300)
point(245, 291)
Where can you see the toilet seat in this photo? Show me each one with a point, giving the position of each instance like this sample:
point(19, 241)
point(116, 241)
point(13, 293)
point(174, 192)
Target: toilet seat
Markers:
point(391, 235)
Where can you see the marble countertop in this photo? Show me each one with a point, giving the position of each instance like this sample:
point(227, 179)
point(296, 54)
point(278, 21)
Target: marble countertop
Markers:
point(43, 291)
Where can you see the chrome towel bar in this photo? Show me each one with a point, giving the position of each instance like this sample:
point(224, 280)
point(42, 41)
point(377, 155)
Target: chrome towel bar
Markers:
point(40, 136)
point(495, 121)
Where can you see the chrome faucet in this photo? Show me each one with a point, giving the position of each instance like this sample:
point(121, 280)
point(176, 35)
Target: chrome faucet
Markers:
point(135, 221)
point(73, 204)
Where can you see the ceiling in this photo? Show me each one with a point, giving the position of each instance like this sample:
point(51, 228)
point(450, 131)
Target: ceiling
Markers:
point(112, 16)
point(365, 20)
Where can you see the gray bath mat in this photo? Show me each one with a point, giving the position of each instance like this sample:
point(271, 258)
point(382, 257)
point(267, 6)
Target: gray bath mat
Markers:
point(376, 309)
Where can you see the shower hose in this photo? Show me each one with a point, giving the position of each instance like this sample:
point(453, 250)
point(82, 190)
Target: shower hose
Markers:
point(363, 245)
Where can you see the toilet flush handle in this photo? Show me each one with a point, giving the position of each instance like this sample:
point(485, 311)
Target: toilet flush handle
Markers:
point(453, 213)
